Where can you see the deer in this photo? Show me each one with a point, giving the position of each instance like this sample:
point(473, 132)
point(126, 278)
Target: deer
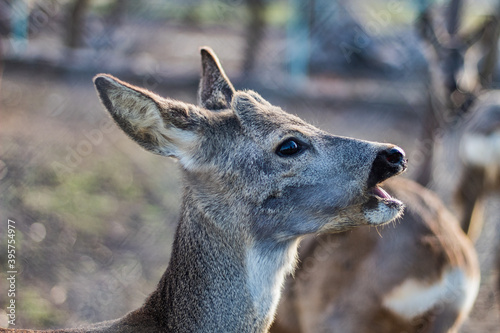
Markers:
point(464, 108)
point(478, 155)
point(479, 152)
point(466, 112)
point(256, 180)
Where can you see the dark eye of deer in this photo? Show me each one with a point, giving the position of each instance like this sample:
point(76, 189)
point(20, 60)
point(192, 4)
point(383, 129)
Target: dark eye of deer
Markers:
point(288, 148)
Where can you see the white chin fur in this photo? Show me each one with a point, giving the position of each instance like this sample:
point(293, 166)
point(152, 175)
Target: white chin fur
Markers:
point(385, 211)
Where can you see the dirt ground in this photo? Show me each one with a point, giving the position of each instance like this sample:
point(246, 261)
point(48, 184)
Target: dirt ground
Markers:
point(58, 153)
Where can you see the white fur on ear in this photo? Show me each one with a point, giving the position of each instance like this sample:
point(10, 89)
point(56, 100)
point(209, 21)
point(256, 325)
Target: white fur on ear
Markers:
point(145, 117)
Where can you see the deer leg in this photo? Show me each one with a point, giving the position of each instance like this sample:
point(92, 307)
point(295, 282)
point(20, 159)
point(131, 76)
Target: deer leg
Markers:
point(469, 197)
point(476, 220)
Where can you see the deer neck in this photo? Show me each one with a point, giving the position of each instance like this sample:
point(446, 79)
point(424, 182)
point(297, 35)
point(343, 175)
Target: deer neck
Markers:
point(267, 265)
point(219, 282)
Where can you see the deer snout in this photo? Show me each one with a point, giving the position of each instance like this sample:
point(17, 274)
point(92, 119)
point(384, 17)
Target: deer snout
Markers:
point(394, 156)
point(388, 162)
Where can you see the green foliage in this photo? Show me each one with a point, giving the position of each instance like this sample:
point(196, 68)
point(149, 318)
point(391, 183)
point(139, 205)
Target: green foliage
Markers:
point(197, 12)
point(86, 199)
point(39, 309)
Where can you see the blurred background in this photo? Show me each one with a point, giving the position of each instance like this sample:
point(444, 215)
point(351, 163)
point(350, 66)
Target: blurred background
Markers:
point(95, 215)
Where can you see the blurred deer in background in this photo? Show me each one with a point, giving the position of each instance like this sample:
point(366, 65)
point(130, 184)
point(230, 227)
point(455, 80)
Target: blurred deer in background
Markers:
point(461, 70)
point(421, 275)
point(464, 106)
point(480, 154)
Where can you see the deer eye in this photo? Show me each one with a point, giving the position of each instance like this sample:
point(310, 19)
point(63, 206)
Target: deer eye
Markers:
point(289, 147)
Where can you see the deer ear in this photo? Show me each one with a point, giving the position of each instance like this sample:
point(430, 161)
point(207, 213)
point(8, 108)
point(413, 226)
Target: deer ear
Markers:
point(162, 126)
point(215, 91)
point(248, 110)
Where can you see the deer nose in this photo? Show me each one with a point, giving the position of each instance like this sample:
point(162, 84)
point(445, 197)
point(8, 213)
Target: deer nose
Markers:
point(388, 162)
point(394, 156)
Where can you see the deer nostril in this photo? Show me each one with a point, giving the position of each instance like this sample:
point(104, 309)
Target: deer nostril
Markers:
point(387, 163)
point(395, 155)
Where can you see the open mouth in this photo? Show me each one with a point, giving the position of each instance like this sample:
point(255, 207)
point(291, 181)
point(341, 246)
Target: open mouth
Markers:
point(381, 207)
point(381, 195)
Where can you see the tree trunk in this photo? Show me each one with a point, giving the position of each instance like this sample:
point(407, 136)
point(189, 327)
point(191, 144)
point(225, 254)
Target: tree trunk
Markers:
point(254, 34)
point(75, 21)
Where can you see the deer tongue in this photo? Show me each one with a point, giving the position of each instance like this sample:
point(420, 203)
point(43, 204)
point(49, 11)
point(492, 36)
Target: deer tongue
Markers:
point(380, 192)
